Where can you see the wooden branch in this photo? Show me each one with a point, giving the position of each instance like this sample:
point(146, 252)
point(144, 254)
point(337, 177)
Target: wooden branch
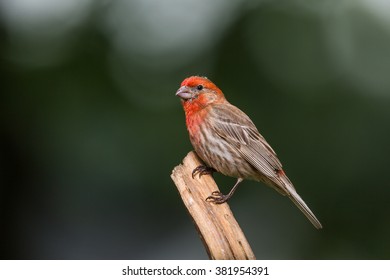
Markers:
point(216, 225)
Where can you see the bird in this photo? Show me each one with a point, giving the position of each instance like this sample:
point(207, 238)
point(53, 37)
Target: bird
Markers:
point(228, 142)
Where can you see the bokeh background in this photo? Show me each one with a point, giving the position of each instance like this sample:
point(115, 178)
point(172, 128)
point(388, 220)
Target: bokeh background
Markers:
point(91, 128)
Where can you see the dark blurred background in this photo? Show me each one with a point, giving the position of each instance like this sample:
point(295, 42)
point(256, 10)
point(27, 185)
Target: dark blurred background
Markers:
point(91, 128)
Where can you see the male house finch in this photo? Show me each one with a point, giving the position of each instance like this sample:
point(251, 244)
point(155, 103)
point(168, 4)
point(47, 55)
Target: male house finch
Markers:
point(228, 142)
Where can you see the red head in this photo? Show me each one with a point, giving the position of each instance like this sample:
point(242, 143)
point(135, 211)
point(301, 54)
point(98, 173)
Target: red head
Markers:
point(198, 92)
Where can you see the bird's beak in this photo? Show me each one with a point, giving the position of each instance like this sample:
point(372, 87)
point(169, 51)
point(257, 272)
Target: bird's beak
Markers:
point(184, 93)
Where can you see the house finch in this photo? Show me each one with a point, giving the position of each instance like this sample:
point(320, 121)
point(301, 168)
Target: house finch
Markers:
point(228, 142)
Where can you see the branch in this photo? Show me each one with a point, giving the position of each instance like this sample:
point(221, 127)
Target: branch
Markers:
point(219, 231)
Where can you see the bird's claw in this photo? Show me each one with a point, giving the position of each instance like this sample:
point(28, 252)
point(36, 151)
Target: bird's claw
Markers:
point(202, 170)
point(217, 197)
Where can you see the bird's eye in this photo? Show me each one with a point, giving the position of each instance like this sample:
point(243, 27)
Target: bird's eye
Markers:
point(199, 87)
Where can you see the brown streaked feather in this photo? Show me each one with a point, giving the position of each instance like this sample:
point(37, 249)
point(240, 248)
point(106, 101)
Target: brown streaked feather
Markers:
point(236, 128)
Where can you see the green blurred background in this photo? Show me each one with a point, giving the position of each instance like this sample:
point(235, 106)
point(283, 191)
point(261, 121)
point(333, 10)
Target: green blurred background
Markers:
point(91, 128)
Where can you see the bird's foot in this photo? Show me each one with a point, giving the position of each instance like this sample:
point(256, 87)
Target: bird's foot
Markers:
point(202, 170)
point(217, 197)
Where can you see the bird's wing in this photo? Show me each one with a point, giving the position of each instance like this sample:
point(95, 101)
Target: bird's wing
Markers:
point(234, 126)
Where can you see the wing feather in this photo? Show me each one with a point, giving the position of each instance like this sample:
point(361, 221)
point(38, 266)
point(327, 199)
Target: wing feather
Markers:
point(235, 126)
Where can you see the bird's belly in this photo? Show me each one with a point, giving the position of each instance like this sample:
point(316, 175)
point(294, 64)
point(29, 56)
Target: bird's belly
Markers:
point(224, 158)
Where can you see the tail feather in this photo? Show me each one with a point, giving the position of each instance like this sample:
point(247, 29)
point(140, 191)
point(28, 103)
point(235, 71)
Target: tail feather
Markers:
point(283, 185)
point(298, 201)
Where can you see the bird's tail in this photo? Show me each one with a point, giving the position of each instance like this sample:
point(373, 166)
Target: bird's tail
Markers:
point(298, 201)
